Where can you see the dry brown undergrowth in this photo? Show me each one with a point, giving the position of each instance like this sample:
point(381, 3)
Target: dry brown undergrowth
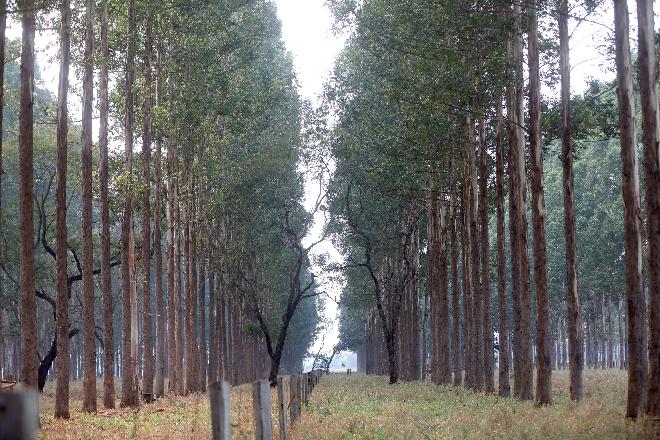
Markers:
point(361, 407)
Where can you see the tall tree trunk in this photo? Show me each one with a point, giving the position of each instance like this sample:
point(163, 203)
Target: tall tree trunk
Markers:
point(439, 288)
point(489, 385)
point(477, 380)
point(129, 391)
point(648, 79)
point(576, 356)
point(423, 355)
point(172, 270)
point(610, 332)
point(3, 340)
point(632, 212)
point(178, 291)
point(588, 342)
point(191, 340)
point(519, 192)
point(158, 250)
point(106, 271)
point(89, 346)
point(456, 304)
point(221, 328)
point(61, 251)
point(603, 337)
point(213, 317)
point(543, 344)
point(203, 358)
point(514, 133)
point(467, 283)
point(147, 337)
point(503, 352)
point(622, 344)
point(432, 277)
point(194, 287)
point(172, 369)
point(28, 370)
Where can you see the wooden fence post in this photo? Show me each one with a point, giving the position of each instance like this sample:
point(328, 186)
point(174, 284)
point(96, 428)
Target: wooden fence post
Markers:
point(284, 433)
point(261, 407)
point(294, 398)
point(220, 406)
point(19, 415)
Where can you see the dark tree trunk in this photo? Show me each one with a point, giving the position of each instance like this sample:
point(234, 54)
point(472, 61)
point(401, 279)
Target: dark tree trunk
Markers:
point(3, 28)
point(519, 191)
point(648, 79)
point(543, 362)
point(575, 353)
point(28, 367)
point(147, 323)
point(158, 251)
point(194, 291)
point(632, 214)
point(622, 342)
point(503, 356)
point(173, 373)
point(178, 290)
point(489, 385)
point(467, 296)
point(129, 390)
point(89, 346)
point(438, 288)
point(214, 345)
point(203, 358)
point(610, 333)
point(106, 271)
point(456, 304)
point(514, 134)
point(477, 376)
point(47, 362)
point(220, 323)
point(603, 337)
point(62, 257)
point(191, 379)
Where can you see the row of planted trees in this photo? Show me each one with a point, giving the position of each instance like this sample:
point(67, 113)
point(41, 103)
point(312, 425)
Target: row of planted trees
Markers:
point(204, 220)
point(437, 123)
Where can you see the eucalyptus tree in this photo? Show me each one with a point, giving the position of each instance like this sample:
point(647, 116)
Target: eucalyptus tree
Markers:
point(522, 352)
point(242, 152)
point(632, 211)
point(106, 270)
point(504, 387)
point(89, 346)
point(62, 254)
point(543, 366)
point(157, 219)
point(407, 101)
point(147, 338)
point(28, 370)
point(129, 389)
point(3, 29)
point(648, 78)
point(575, 350)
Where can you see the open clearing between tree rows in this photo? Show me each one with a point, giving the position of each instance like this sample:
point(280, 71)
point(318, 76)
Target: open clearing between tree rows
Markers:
point(366, 407)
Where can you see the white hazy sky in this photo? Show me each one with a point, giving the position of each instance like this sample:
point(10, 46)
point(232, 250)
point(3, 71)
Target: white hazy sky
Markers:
point(306, 27)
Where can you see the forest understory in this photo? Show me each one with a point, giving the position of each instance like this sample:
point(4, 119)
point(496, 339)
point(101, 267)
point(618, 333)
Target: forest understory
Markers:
point(366, 407)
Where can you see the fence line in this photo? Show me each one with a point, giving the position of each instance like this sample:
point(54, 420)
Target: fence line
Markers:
point(300, 388)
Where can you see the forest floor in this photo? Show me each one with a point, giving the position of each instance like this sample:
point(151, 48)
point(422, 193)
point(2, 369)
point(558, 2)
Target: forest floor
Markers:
point(365, 407)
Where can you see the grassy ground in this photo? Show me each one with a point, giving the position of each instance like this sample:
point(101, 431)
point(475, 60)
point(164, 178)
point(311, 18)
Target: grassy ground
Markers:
point(361, 407)
point(168, 418)
point(367, 408)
